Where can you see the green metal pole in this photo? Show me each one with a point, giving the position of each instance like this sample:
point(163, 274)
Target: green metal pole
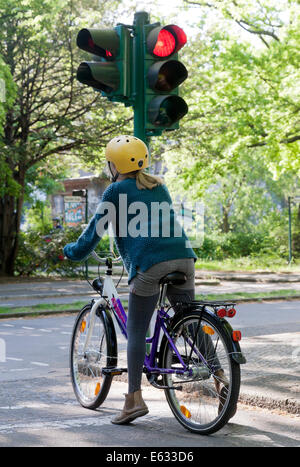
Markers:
point(290, 230)
point(86, 221)
point(140, 19)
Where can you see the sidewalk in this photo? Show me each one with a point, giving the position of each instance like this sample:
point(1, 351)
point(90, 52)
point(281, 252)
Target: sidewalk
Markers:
point(271, 377)
point(31, 291)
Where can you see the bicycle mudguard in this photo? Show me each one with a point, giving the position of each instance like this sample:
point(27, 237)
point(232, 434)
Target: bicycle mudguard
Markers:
point(236, 352)
point(235, 349)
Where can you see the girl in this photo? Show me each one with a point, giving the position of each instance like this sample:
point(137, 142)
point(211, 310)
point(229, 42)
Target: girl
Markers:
point(157, 248)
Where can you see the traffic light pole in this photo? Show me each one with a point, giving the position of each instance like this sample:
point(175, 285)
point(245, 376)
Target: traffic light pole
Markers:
point(140, 19)
point(290, 231)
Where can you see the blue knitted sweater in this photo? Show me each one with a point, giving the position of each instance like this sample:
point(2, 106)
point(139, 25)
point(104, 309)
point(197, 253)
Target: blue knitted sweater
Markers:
point(145, 227)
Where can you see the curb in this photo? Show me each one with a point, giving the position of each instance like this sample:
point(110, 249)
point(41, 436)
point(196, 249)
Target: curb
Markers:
point(63, 312)
point(290, 406)
point(25, 314)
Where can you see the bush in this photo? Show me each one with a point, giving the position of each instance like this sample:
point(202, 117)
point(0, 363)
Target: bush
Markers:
point(219, 246)
point(44, 253)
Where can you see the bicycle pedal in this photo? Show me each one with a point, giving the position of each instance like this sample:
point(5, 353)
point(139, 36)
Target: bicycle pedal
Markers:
point(113, 371)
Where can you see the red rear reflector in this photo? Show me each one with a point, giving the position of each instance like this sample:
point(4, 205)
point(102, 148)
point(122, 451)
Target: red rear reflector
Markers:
point(221, 312)
point(236, 335)
point(165, 44)
point(108, 53)
point(231, 312)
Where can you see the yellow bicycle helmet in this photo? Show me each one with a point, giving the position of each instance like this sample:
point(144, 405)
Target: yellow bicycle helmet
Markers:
point(128, 153)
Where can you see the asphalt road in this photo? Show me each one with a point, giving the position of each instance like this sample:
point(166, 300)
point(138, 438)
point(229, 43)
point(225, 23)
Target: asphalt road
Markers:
point(38, 407)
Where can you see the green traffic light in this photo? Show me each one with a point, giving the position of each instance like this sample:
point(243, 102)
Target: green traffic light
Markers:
point(164, 111)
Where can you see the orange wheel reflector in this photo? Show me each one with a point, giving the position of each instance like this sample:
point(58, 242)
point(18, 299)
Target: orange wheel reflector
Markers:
point(236, 335)
point(97, 390)
point(83, 326)
point(208, 330)
point(185, 411)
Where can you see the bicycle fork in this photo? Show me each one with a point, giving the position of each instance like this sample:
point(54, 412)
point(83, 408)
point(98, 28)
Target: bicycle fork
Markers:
point(92, 323)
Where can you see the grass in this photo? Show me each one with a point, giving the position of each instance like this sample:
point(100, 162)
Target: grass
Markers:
point(255, 295)
point(250, 264)
point(226, 296)
point(43, 307)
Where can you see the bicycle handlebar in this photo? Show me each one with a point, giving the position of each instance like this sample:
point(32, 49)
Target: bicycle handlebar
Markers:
point(103, 260)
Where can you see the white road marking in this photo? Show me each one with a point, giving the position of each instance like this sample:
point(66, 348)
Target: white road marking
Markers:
point(39, 364)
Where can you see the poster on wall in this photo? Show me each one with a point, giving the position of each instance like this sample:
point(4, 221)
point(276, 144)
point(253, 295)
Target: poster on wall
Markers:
point(74, 211)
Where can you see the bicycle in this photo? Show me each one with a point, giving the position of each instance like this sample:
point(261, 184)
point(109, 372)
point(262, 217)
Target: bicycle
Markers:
point(191, 343)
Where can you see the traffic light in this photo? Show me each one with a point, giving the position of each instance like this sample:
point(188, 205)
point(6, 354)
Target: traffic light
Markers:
point(110, 70)
point(138, 65)
point(163, 74)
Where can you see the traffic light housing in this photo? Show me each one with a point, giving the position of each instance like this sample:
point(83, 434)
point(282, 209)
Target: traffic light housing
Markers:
point(110, 70)
point(163, 73)
point(138, 65)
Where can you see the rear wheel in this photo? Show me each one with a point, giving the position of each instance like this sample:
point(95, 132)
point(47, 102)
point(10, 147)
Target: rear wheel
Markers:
point(205, 397)
point(90, 385)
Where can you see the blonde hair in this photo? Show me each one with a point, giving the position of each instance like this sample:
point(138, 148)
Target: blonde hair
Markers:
point(146, 181)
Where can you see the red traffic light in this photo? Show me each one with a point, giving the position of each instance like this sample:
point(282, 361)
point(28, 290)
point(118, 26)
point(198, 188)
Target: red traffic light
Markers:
point(165, 41)
point(165, 44)
point(104, 43)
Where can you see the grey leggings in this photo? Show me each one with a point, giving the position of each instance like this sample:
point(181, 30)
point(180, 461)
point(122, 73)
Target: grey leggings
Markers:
point(140, 311)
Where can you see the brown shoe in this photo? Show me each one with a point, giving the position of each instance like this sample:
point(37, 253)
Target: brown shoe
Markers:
point(134, 407)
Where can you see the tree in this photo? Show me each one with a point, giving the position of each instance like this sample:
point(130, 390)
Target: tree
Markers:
point(243, 97)
point(51, 114)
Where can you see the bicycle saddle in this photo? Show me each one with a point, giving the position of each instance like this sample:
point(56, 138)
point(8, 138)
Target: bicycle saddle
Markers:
point(174, 278)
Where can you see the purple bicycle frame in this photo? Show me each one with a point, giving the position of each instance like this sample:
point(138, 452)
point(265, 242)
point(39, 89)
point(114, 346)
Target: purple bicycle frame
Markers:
point(149, 361)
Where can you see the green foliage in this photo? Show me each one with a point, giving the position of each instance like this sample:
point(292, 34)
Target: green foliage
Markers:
point(41, 253)
point(241, 244)
point(39, 218)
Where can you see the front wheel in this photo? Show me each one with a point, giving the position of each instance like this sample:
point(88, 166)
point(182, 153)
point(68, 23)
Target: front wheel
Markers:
point(204, 398)
point(90, 385)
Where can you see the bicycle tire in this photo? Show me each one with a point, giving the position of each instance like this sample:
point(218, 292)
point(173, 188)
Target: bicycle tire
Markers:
point(201, 390)
point(104, 353)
